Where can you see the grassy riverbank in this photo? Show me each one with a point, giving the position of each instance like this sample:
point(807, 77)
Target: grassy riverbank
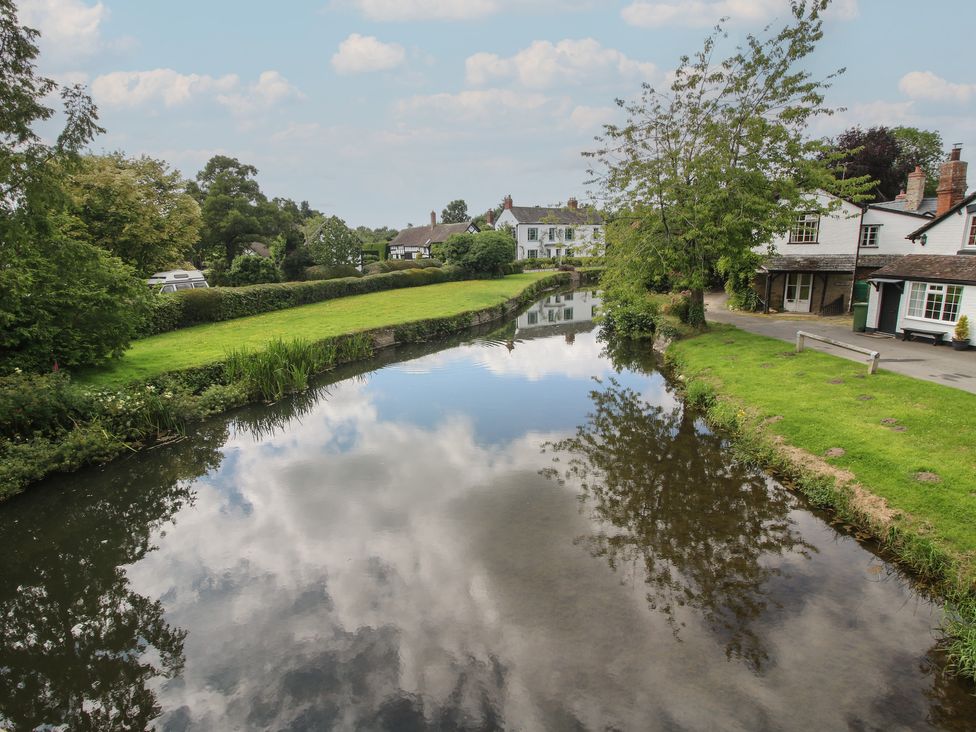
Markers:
point(892, 455)
point(203, 344)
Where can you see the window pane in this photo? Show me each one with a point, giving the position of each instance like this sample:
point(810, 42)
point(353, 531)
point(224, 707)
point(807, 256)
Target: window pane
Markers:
point(953, 296)
point(915, 300)
point(971, 240)
point(568, 314)
point(933, 302)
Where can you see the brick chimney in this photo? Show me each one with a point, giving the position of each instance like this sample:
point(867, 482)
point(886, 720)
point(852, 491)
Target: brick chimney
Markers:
point(573, 203)
point(916, 189)
point(433, 219)
point(508, 203)
point(490, 218)
point(952, 182)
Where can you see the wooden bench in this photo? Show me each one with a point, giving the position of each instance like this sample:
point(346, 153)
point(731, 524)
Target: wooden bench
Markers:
point(937, 336)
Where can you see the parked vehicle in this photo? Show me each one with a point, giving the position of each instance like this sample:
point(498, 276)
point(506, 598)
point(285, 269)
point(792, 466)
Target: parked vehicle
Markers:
point(178, 279)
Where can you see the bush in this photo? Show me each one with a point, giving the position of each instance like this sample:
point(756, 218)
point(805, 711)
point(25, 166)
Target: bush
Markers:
point(323, 272)
point(35, 404)
point(226, 303)
point(294, 264)
point(484, 254)
point(397, 265)
point(554, 262)
point(250, 269)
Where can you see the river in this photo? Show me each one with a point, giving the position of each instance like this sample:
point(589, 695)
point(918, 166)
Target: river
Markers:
point(519, 528)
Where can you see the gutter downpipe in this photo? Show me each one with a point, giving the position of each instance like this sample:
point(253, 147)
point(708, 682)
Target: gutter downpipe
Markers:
point(857, 258)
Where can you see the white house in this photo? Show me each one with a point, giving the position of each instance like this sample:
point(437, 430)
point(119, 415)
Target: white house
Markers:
point(569, 308)
point(415, 242)
point(546, 231)
point(814, 266)
point(928, 291)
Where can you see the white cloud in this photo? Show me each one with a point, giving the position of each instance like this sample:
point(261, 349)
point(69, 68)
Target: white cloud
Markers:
point(427, 9)
point(270, 89)
point(359, 54)
point(476, 104)
point(699, 13)
point(135, 88)
point(138, 88)
point(70, 25)
point(544, 64)
point(591, 118)
point(928, 86)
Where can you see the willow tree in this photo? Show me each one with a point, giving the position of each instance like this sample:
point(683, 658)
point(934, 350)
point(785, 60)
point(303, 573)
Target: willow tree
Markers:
point(716, 165)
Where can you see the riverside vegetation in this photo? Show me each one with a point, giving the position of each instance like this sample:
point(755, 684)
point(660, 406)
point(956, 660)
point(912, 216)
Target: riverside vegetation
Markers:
point(892, 456)
point(49, 423)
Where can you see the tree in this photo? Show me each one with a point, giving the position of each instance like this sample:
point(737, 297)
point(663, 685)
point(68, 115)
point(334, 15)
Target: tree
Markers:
point(61, 300)
point(455, 213)
point(922, 148)
point(719, 163)
point(330, 242)
point(235, 212)
point(874, 152)
point(483, 254)
point(137, 209)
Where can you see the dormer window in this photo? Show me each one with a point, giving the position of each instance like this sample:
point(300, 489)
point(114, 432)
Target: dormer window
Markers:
point(806, 229)
point(971, 234)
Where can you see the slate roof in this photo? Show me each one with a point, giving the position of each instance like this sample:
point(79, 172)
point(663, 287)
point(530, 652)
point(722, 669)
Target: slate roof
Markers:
point(876, 260)
point(548, 215)
point(826, 263)
point(421, 236)
point(957, 268)
point(260, 249)
point(926, 208)
point(964, 202)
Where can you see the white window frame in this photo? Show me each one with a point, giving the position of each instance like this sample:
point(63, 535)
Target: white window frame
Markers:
point(870, 234)
point(553, 236)
point(532, 233)
point(570, 233)
point(532, 254)
point(970, 235)
point(918, 305)
point(807, 224)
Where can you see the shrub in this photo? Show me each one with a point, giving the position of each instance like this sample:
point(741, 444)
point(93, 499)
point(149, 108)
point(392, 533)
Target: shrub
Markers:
point(396, 265)
point(484, 254)
point(35, 404)
point(961, 332)
point(632, 317)
point(250, 269)
point(679, 305)
point(295, 263)
point(323, 272)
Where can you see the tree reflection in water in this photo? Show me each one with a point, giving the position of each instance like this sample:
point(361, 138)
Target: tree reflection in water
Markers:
point(697, 528)
point(78, 647)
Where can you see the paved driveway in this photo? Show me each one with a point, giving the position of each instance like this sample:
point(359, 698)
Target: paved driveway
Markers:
point(920, 359)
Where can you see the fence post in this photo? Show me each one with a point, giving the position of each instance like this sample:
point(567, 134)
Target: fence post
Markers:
point(799, 341)
point(873, 363)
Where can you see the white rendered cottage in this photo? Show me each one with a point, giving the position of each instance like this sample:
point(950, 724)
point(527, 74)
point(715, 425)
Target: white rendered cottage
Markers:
point(548, 231)
point(928, 291)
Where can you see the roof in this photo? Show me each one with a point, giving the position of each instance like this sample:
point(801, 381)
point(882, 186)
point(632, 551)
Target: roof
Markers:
point(260, 249)
point(876, 260)
point(551, 215)
point(926, 208)
point(421, 236)
point(964, 202)
point(958, 268)
point(827, 263)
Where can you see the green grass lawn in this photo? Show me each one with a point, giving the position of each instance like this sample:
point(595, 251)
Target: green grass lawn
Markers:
point(208, 343)
point(892, 427)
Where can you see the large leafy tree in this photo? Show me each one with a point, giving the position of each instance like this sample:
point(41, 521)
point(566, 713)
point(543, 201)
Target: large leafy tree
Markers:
point(923, 148)
point(482, 254)
point(719, 163)
point(137, 209)
point(330, 242)
point(62, 300)
point(235, 211)
point(456, 212)
point(874, 152)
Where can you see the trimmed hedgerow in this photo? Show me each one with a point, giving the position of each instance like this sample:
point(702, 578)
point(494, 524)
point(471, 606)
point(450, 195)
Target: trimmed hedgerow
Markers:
point(397, 265)
point(193, 307)
point(554, 262)
point(333, 272)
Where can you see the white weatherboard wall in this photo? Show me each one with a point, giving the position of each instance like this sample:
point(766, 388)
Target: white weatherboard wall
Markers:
point(893, 235)
point(967, 306)
point(949, 236)
point(838, 234)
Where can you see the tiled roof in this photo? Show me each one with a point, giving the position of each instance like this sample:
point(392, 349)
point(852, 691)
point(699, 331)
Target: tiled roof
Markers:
point(420, 236)
point(260, 249)
point(964, 202)
point(959, 268)
point(926, 207)
point(876, 260)
point(826, 263)
point(548, 215)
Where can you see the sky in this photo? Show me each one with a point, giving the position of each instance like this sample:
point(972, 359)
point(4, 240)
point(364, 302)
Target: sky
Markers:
point(379, 111)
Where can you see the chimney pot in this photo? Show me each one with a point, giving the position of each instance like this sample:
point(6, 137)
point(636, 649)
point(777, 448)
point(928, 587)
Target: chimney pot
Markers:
point(508, 202)
point(952, 181)
point(573, 203)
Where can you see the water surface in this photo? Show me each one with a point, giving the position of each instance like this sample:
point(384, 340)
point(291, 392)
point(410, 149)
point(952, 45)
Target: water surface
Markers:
point(521, 529)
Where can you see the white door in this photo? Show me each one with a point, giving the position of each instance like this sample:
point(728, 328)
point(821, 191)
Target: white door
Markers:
point(799, 288)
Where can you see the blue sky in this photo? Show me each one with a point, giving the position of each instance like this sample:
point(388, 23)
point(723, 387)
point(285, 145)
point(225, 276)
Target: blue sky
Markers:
point(381, 110)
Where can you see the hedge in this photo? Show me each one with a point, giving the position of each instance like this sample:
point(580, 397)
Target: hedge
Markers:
point(395, 265)
point(184, 308)
point(323, 272)
point(554, 262)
